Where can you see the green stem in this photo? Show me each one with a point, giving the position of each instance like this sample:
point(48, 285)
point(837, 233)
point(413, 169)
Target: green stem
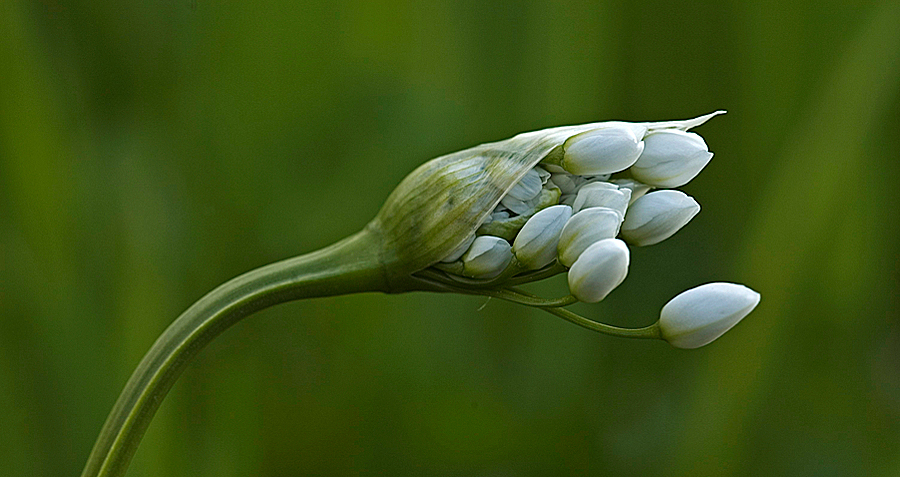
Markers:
point(554, 307)
point(349, 266)
point(647, 332)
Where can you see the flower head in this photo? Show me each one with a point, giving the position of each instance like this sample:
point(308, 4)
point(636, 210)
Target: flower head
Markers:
point(560, 200)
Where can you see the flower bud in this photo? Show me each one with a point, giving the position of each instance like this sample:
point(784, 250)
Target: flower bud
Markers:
point(601, 151)
point(600, 269)
point(527, 188)
point(602, 194)
point(671, 158)
point(535, 245)
point(584, 229)
point(637, 189)
point(657, 216)
point(700, 315)
point(487, 257)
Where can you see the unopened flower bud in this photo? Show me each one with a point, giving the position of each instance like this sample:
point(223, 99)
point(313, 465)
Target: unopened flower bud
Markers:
point(671, 158)
point(638, 189)
point(584, 229)
point(527, 188)
point(657, 216)
point(601, 151)
point(700, 315)
point(487, 257)
point(600, 269)
point(602, 194)
point(535, 245)
point(567, 183)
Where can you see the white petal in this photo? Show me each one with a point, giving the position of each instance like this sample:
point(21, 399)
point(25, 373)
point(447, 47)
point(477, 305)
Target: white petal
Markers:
point(700, 315)
point(535, 245)
point(599, 270)
point(602, 194)
point(657, 216)
point(487, 257)
point(601, 151)
point(671, 158)
point(527, 188)
point(584, 229)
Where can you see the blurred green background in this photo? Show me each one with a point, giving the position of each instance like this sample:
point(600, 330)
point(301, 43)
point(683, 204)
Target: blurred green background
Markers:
point(151, 150)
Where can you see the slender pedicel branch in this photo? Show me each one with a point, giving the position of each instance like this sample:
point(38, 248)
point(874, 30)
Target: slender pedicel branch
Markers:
point(349, 266)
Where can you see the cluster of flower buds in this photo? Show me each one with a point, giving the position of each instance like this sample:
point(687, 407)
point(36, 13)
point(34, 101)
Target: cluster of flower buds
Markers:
point(592, 191)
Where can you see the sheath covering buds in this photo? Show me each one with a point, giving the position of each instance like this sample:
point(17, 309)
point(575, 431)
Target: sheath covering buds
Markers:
point(599, 269)
point(657, 216)
point(700, 315)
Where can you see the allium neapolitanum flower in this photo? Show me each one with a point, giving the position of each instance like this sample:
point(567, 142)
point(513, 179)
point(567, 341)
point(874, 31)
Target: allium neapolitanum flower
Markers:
point(565, 200)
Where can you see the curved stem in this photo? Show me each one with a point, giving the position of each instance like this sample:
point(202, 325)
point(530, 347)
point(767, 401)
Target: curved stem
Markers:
point(647, 332)
point(349, 266)
point(517, 296)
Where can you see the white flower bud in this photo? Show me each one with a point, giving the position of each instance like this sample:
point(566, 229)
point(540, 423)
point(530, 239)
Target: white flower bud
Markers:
point(657, 216)
point(566, 182)
point(702, 314)
point(671, 158)
point(535, 245)
point(600, 269)
point(602, 194)
point(601, 151)
point(584, 229)
point(638, 189)
point(487, 257)
point(527, 188)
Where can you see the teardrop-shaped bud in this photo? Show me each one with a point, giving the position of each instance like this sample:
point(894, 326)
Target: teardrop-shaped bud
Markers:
point(602, 194)
point(599, 270)
point(700, 315)
point(671, 158)
point(657, 216)
point(601, 151)
point(487, 257)
point(535, 245)
point(584, 229)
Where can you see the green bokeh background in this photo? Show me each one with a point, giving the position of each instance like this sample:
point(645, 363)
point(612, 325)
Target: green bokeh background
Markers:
point(151, 150)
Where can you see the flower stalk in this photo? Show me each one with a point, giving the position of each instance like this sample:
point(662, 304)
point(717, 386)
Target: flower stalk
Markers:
point(477, 222)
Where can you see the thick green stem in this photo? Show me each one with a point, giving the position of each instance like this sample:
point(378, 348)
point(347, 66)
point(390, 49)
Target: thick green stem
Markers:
point(349, 266)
